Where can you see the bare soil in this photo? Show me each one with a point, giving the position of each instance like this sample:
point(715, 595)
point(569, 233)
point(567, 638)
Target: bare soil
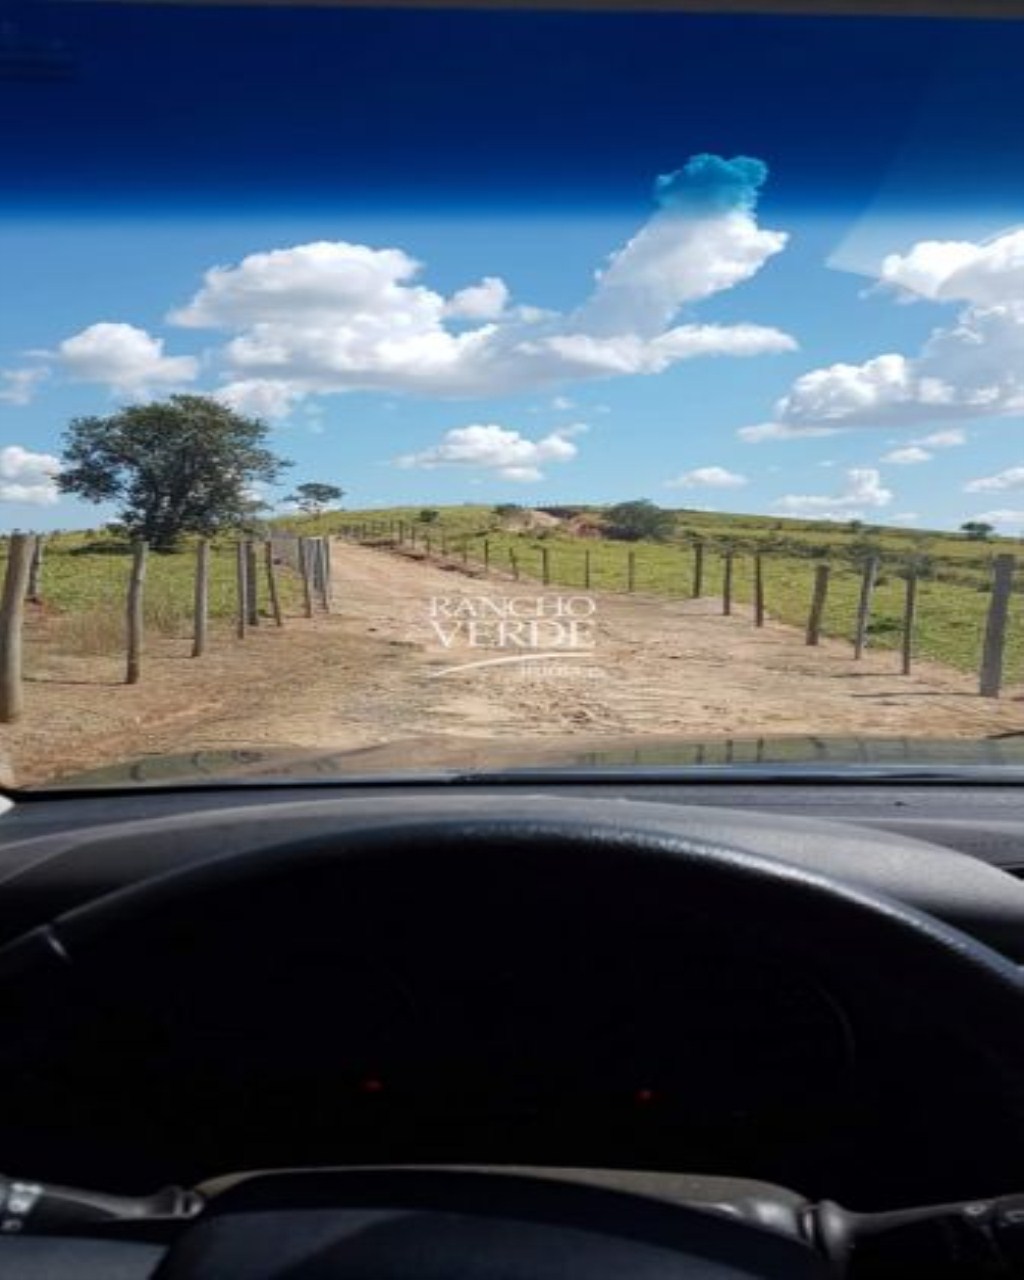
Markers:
point(376, 671)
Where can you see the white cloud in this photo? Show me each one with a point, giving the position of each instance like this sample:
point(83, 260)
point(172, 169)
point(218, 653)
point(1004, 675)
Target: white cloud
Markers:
point(863, 489)
point(907, 456)
point(708, 478)
point(331, 316)
point(18, 386)
point(673, 261)
point(1002, 516)
point(960, 270)
point(972, 367)
point(782, 431)
point(905, 517)
point(494, 448)
point(27, 477)
point(1011, 478)
point(129, 360)
point(484, 301)
point(259, 397)
point(562, 403)
point(942, 439)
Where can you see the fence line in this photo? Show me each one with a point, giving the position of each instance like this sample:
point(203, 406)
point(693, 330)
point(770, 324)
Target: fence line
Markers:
point(585, 574)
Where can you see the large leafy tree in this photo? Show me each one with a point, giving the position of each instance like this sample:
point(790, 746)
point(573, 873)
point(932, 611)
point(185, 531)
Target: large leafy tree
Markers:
point(177, 466)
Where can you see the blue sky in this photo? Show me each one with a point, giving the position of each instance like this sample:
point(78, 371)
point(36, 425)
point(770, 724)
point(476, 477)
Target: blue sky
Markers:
point(435, 256)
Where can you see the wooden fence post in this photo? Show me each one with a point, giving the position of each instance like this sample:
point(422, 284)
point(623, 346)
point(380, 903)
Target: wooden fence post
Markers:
point(867, 587)
point(444, 543)
point(995, 627)
point(817, 604)
point(698, 570)
point(251, 584)
point(545, 565)
point(201, 609)
point(307, 591)
point(631, 571)
point(909, 613)
point(426, 545)
point(727, 584)
point(321, 563)
point(136, 584)
point(465, 552)
point(35, 569)
point(12, 616)
point(586, 569)
point(487, 556)
point(242, 586)
point(758, 590)
point(272, 592)
point(514, 562)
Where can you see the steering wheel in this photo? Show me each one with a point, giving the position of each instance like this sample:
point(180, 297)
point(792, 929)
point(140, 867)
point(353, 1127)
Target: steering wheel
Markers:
point(463, 1226)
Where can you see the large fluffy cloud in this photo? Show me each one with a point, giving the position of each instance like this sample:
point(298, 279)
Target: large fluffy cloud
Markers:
point(127, 359)
point(971, 368)
point(960, 271)
point(495, 448)
point(703, 239)
point(335, 316)
point(863, 489)
point(27, 477)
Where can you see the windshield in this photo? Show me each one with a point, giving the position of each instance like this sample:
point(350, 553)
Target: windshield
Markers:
point(406, 389)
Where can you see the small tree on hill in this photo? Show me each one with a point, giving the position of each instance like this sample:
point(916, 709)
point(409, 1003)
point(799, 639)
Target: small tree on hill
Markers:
point(178, 466)
point(314, 498)
point(977, 530)
point(632, 521)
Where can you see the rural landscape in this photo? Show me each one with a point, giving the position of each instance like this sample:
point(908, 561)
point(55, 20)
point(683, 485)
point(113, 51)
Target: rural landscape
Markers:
point(241, 629)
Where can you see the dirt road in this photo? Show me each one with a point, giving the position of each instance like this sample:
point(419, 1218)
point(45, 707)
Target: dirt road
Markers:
point(401, 659)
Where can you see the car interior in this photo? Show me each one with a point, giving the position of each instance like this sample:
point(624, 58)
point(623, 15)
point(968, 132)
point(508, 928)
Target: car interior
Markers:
point(603, 1022)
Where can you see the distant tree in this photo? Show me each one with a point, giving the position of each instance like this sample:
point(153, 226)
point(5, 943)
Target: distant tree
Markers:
point(177, 466)
point(429, 515)
point(314, 498)
point(977, 530)
point(506, 509)
point(632, 521)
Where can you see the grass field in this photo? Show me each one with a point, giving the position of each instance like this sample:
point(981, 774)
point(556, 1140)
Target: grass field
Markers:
point(84, 583)
point(954, 572)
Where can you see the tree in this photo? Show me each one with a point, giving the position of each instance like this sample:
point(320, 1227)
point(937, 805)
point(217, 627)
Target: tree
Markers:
point(177, 466)
point(313, 498)
point(977, 530)
point(632, 521)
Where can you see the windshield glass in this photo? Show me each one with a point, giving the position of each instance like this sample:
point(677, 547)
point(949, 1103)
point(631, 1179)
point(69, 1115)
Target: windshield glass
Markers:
point(399, 390)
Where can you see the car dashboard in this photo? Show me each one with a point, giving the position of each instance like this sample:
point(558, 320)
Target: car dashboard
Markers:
point(291, 1029)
